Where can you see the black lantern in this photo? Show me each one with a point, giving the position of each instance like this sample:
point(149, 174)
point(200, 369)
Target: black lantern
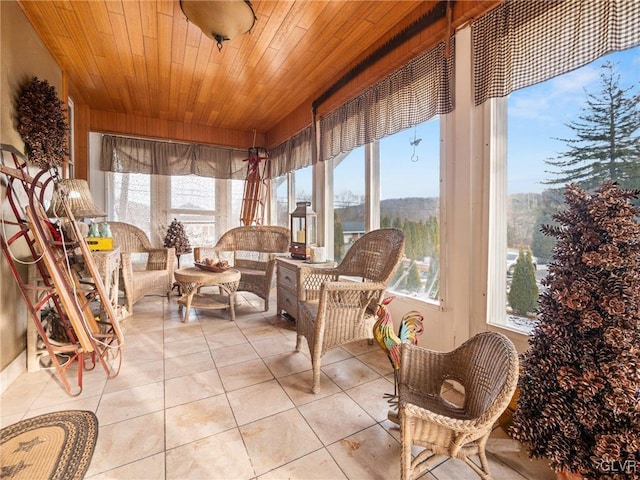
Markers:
point(303, 231)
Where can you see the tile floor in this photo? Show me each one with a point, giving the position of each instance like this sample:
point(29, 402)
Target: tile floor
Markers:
point(212, 399)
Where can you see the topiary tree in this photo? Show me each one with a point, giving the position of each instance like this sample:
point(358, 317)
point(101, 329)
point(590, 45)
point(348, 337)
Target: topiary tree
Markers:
point(177, 238)
point(523, 294)
point(579, 403)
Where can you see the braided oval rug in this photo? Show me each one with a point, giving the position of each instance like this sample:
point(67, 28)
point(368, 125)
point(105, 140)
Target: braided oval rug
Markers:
point(57, 445)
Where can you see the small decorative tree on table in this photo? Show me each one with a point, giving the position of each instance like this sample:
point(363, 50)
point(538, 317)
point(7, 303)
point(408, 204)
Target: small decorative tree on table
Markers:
point(579, 403)
point(177, 238)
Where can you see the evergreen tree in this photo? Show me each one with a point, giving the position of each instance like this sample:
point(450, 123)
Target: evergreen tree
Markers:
point(398, 281)
point(432, 251)
point(523, 294)
point(542, 245)
point(433, 239)
point(423, 240)
point(338, 238)
point(413, 279)
point(607, 138)
point(385, 222)
point(579, 395)
point(409, 239)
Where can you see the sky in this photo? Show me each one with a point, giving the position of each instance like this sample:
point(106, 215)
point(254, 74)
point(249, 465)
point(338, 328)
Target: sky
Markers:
point(537, 114)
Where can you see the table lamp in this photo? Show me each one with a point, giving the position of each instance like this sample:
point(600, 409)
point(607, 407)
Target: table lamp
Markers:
point(76, 194)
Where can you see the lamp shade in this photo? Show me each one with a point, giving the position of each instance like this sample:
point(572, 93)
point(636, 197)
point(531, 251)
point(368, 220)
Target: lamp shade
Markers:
point(220, 20)
point(76, 194)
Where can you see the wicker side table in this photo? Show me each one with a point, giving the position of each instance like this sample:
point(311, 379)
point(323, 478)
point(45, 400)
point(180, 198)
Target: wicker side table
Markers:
point(191, 279)
point(108, 264)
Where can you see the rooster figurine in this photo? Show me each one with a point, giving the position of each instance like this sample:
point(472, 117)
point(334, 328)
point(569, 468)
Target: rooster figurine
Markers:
point(410, 328)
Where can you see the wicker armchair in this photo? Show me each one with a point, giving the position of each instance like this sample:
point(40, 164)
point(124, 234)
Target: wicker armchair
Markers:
point(252, 250)
point(337, 305)
point(486, 366)
point(156, 276)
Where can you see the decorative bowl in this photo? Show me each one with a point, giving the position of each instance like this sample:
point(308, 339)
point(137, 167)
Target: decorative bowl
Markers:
point(212, 268)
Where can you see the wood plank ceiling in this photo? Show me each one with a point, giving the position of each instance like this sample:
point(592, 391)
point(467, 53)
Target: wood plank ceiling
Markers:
point(143, 58)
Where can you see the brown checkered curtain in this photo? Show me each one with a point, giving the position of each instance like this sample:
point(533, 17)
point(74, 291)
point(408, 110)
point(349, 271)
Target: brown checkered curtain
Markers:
point(409, 96)
point(296, 152)
point(521, 43)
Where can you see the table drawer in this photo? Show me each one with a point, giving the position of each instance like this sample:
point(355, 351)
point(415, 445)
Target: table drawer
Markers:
point(288, 302)
point(287, 278)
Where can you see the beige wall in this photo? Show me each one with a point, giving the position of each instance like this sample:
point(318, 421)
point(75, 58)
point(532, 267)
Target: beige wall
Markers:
point(23, 56)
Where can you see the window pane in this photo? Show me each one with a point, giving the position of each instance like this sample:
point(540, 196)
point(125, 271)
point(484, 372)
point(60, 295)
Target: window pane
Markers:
point(192, 201)
point(348, 201)
point(192, 192)
point(303, 184)
point(558, 132)
point(132, 199)
point(281, 184)
point(410, 200)
point(237, 193)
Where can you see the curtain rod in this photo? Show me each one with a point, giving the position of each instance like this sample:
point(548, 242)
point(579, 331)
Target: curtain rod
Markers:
point(164, 140)
point(436, 13)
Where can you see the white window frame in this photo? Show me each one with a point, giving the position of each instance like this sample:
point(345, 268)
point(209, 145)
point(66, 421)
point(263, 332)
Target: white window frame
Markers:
point(495, 136)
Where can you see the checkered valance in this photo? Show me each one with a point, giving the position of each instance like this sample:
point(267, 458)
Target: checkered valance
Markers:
point(521, 43)
point(296, 152)
point(409, 96)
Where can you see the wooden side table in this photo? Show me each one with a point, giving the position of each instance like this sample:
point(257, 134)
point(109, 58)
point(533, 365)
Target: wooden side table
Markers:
point(287, 282)
point(191, 279)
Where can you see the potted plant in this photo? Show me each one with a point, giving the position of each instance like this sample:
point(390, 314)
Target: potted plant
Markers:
point(579, 402)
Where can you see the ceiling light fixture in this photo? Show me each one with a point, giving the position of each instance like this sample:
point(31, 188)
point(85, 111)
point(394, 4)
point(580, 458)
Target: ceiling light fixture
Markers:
point(220, 20)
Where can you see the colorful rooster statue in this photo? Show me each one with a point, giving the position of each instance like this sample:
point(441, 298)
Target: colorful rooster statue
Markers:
point(410, 328)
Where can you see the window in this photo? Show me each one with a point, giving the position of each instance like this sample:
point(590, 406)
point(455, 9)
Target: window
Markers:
point(193, 202)
point(348, 201)
point(410, 200)
point(303, 185)
point(207, 207)
point(281, 187)
point(408, 185)
point(544, 122)
point(131, 199)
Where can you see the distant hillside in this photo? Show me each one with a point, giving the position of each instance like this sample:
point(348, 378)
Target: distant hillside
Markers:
point(522, 213)
point(413, 208)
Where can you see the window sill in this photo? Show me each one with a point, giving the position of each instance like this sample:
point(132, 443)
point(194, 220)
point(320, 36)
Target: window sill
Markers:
point(519, 336)
point(520, 324)
point(419, 302)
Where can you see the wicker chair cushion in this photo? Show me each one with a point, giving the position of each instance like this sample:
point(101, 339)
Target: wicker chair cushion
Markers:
point(152, 278)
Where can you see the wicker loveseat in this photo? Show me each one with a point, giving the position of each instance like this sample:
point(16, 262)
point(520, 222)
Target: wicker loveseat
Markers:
point(155, 275)
point(252, 250)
